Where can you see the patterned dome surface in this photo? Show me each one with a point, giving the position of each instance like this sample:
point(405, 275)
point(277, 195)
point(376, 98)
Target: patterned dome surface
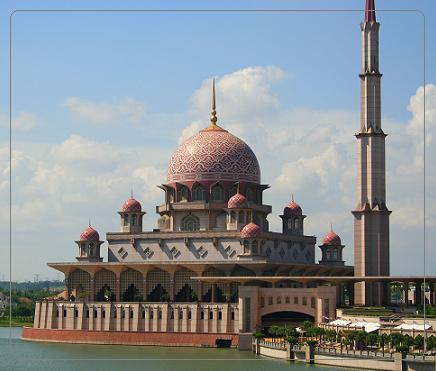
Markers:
point(237, 201)
point(293, 209)
point(331, 238)
point(89, 234)
point(250, 230)
point(131, 205)
point(211, 155)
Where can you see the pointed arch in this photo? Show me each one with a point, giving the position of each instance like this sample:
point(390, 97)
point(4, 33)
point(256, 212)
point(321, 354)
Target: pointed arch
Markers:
point(217, 192)
point(185, 289)
point(198, 192)
point(79, 284)
point(190, 222)
point(131, 285)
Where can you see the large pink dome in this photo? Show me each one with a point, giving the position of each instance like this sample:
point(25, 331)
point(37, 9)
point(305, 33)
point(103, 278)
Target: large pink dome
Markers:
point(211, 155)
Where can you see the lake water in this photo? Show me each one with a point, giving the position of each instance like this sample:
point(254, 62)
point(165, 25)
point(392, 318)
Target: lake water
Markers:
point(18, 355)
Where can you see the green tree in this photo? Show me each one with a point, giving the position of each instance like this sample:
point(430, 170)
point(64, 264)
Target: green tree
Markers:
point(431, 342)
point(372, 339)
point(274, 330)
point(384, 340)
point(418, 342)
point(292, 340)
point(307, 325)
point(396, 339)
point(330, 335)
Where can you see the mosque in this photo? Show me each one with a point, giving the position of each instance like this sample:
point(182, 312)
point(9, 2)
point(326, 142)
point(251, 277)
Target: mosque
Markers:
point(212, 270)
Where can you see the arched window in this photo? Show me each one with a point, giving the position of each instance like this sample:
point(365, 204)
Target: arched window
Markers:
point(241, 217)
point(250, 195)
point(297, 223)
point(290, 224)
point(198, 193)
point(190, 223)
point(82, 249)
point(91, 249)
point(254, 245)
point(125, 219)
point(170, 195)
point(232, 217)
point(183, 194)
point(133, 219)
point(217, 193)
point(246, 247)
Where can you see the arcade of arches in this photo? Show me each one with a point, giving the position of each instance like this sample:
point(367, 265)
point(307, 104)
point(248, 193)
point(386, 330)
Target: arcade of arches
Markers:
point(155, 285)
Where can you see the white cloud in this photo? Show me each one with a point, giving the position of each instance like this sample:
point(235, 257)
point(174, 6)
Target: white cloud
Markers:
point(190, 130)
point(23, 121)
point(303, 150)
point(124, 110)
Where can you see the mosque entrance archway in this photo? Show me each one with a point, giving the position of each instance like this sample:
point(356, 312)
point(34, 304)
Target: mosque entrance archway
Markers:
point(285, 318)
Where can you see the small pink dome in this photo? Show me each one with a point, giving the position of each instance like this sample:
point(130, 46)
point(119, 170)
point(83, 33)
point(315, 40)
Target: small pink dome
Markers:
point(250, 230)
point(89, 234)
point(331, 238)
point(237, 201)
point(131, 205)
point(293, 209)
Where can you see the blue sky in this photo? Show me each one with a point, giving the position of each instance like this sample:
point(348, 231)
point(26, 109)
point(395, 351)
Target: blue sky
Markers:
point(101, 100)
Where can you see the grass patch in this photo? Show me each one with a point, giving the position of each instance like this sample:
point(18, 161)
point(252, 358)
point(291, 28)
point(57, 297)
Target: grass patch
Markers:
point(16, 321)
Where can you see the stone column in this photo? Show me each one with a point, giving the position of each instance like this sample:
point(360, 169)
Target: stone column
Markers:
point(67, 286)
point(117, 287)
point(171, 287)
point(91, 296)
point(144, 286)
point(339, 297)
point(200, 291)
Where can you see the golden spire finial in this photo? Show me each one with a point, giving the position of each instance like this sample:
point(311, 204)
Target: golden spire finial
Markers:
point(131, 192)
point(237, 188)
point(213, 118)
point(89, 222)
point(292, 196)
point(331, 227)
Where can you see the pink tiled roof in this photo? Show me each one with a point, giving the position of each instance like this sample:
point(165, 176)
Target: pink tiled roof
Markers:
point(331, 238)
point(293, 209)
point(131, 205)
point(237, 201)
point(213, 155)
point(89, 234)
point(250, 230)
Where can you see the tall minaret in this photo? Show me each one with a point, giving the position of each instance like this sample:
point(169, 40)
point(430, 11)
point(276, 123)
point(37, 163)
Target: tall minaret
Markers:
point(371, 216)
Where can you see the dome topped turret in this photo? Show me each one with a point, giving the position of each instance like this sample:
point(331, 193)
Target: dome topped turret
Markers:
point(293, 209)
point(131, 205)
point(237, 201)
point(89, 234)
point(250, 230)
point(213, 154)
point(331, 238)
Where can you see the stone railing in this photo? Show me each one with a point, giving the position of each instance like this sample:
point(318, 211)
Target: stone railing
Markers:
point(354, 353)
point(272, 345)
